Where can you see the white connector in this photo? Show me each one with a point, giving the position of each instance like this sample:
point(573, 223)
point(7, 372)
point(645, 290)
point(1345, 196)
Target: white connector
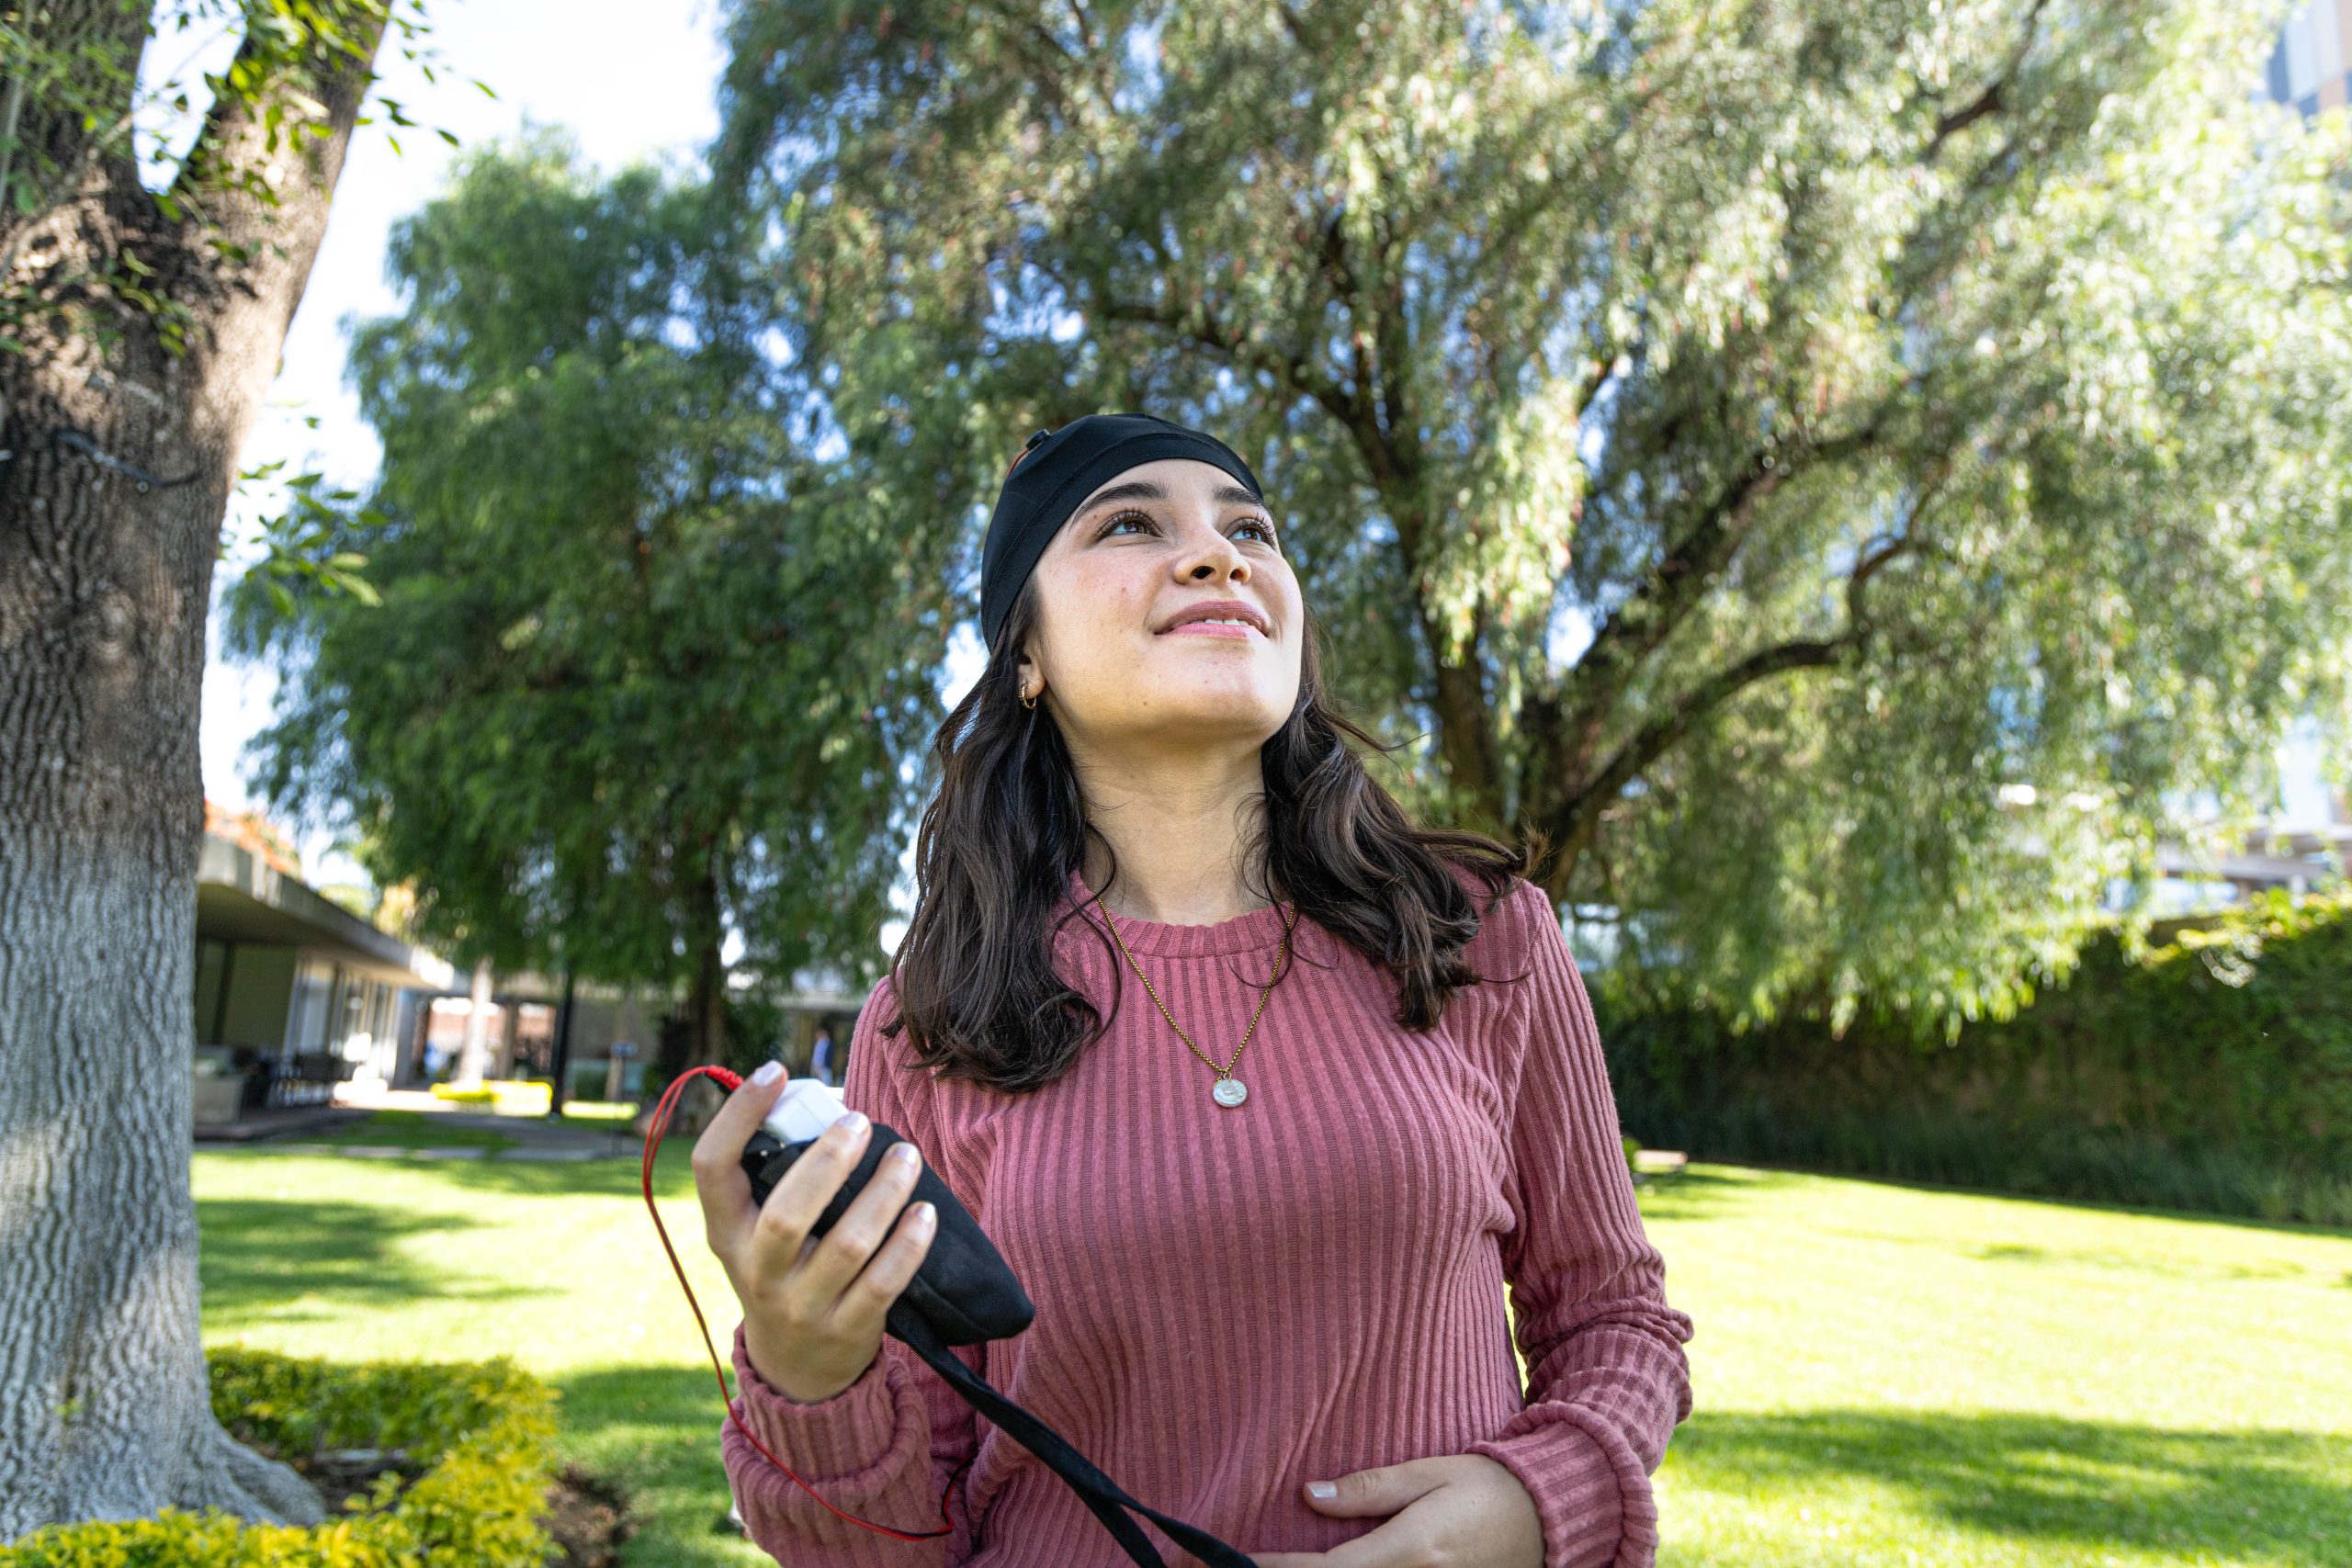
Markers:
point(804, 1109)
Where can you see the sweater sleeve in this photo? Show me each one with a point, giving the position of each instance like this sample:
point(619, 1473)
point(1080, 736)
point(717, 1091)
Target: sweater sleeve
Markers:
point(887, 1446)
point(1608, 1380)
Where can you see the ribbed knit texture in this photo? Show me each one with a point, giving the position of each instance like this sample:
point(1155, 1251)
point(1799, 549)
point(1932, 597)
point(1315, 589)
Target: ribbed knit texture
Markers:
point(1233, 1301)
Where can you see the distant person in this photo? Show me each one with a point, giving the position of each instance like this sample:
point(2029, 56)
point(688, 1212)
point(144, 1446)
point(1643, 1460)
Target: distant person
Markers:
point(820, 1056)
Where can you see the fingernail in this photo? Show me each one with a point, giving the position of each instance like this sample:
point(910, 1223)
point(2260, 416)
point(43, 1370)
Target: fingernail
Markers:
point(1323, 1489)
point(767, 1072)
point(852, 1125)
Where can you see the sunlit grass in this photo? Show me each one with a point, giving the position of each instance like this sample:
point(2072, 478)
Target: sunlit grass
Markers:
point(1894, 1375)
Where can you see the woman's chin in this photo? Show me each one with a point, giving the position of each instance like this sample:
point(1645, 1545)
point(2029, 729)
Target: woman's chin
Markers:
point(1247, 714)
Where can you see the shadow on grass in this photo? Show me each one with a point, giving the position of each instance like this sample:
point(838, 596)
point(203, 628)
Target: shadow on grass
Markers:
point(2043, 1200)
point(2186, 1267)
point(654, 1430)
point(1700, 1192)
point(261, 1253)
point(2267, 1496)
point(414, 1129)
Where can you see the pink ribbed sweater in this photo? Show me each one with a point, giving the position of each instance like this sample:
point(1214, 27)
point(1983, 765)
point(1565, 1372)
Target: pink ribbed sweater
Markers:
point(1233, 1301)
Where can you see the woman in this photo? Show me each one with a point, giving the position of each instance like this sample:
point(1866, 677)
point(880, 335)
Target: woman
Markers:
point(1250, 1276)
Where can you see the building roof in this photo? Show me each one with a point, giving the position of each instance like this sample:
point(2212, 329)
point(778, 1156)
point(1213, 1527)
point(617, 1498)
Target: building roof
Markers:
point(244, 894)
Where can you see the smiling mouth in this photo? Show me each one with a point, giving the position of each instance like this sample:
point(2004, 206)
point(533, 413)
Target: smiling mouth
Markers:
point(1214, 629)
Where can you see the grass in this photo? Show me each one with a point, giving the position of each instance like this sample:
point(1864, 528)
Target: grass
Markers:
point(1895, 1374)
point(1884, 1376)
point(411, 1130)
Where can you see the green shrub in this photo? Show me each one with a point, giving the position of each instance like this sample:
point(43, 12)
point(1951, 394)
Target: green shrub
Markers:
point(2210, 1073)
point(481, 1434)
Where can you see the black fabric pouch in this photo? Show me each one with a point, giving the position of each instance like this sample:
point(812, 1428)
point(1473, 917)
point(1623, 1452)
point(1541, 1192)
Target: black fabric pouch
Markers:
point(966, 1293)
point(964, 1289)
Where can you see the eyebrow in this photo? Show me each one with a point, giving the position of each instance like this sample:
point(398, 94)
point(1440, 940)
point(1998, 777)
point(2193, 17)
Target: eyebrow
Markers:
point(1151, 490)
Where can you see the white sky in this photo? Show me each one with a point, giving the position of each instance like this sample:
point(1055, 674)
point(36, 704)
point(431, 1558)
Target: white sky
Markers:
point(631, 81)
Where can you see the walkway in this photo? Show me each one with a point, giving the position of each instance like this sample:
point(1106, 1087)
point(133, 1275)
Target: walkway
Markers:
point(532, 1138)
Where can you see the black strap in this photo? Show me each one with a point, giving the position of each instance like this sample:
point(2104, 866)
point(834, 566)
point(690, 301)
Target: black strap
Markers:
point(1102, 1496)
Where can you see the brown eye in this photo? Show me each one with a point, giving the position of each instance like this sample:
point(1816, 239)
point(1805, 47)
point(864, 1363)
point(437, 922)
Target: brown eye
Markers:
point(1265, 526)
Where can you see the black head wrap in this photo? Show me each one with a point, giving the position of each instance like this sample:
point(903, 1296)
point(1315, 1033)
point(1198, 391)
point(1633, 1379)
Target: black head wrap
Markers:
point(1054, 475)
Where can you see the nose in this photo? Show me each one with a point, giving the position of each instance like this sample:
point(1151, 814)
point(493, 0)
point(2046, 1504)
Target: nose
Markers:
point(1216, 554)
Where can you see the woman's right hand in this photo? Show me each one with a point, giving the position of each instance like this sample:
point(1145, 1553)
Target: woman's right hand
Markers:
point(813, 1306)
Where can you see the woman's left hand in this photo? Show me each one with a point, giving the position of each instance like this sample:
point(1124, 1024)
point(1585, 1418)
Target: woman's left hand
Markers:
point(1451, 1509)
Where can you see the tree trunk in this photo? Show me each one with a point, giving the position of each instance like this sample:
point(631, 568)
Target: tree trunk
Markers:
point(104, 1413)
point(705, 1034)
point(559, 1074)
point(116, 466)
point(696, 1036)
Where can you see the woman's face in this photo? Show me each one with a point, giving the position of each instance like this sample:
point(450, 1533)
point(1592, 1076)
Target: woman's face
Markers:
point(1159, 541)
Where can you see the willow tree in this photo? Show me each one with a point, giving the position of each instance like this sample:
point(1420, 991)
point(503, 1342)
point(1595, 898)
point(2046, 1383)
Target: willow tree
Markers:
point(1842, 469)
point(641, 670)
point(140, 326)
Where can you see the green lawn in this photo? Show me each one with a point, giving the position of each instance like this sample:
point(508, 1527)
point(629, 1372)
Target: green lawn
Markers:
point(1884, 1375)
point(1899, 1375)
point(410, 1130)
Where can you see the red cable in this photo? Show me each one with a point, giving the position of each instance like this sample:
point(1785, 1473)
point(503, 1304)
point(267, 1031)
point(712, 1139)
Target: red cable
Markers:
point(654, 1130)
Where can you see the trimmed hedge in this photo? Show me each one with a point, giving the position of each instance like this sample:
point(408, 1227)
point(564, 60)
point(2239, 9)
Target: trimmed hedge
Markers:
point(480, 1433)
point(2211, 1073)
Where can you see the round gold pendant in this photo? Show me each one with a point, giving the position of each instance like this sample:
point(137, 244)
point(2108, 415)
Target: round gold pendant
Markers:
point(1229, 1092)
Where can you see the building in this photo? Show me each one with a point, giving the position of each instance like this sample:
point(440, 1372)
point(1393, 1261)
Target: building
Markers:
point(522, 1014)
point(614, 1030)
point(293, 992)
point(2307, 69)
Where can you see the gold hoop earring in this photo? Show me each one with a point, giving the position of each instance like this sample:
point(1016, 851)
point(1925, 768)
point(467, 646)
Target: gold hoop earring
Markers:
point(1030, 702)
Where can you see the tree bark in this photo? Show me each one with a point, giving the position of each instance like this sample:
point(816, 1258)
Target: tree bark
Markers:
point(118, 463)
point(696, 1034)
point(559, 1078)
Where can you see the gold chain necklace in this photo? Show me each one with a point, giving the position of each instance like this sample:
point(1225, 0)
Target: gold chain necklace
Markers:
point(1230, 1091)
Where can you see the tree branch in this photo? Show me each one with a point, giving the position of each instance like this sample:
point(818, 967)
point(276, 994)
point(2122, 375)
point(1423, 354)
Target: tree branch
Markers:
point(1993, 99)
point(1654, 739)
point(1869, 560)
point(1691, 563)
point(302, 114)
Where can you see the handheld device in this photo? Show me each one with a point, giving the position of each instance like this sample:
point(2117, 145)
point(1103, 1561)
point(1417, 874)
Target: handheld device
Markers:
point(965, 1292)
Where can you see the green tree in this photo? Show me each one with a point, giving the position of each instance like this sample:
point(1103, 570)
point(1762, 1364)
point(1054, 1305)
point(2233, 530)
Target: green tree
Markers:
point(642, 668)
point(1913, 402)
point(140, 325)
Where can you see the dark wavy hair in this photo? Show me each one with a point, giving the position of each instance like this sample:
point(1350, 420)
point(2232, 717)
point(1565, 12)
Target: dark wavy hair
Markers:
point(974, 978)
